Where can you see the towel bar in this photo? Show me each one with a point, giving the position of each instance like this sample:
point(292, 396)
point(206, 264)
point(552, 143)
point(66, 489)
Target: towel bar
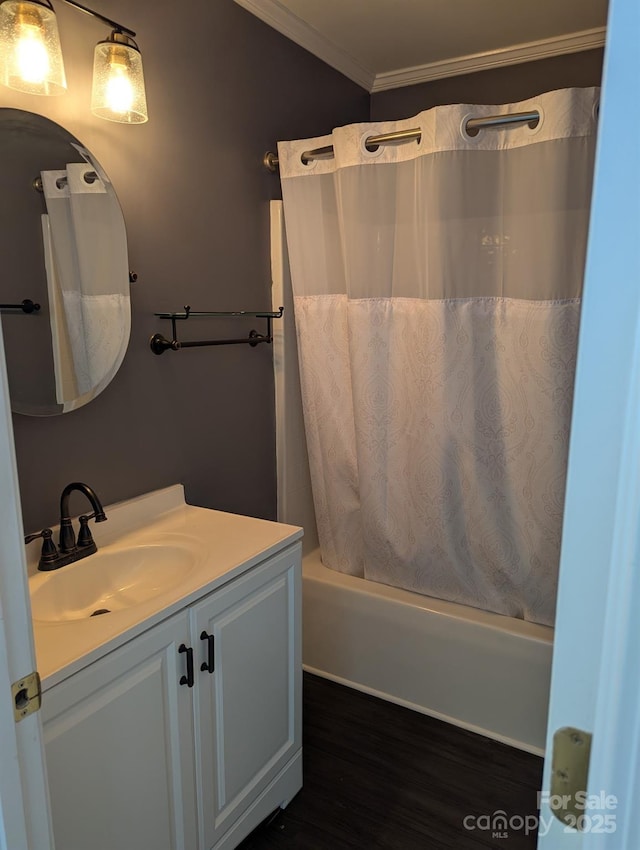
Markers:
point(159, 343)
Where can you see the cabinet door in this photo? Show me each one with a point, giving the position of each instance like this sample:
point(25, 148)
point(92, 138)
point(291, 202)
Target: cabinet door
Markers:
point(119, 748)
point(248, 711)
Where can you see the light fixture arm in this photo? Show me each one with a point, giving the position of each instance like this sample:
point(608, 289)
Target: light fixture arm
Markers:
point(114, 24)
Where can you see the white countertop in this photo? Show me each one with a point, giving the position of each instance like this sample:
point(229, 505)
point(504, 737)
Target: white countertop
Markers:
point(226, 546)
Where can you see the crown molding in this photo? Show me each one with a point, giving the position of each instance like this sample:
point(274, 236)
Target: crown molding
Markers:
point(284, 21)
point(294, 28)
point(528, 52)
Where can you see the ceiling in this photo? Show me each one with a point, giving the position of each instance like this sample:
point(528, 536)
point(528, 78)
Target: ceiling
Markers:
point(382, 44)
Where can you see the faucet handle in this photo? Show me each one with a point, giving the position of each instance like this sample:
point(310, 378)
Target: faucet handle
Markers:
point(49, 552)
point(84, 534)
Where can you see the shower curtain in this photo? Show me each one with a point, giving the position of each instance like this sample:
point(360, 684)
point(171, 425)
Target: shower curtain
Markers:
point(437, 293)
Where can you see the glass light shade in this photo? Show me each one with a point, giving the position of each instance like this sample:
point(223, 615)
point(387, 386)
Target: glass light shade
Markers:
point(118, 82)
point(30, 53)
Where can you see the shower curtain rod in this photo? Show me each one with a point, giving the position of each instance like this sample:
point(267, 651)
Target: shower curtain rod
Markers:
point(271, 162)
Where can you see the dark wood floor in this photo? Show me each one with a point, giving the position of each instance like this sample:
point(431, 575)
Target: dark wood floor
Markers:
point(380, 776)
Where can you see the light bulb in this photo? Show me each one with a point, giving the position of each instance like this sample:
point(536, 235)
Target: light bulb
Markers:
point(32, 59)
point(119, 91)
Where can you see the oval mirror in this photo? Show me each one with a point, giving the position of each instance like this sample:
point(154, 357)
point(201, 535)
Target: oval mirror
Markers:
point(64, 295)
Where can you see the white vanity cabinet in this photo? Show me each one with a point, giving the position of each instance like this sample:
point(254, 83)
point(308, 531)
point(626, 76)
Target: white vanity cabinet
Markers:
point(137, 760)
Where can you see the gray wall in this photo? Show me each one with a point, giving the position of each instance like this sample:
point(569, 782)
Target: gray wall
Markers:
point(222, 88)
point(499, 85)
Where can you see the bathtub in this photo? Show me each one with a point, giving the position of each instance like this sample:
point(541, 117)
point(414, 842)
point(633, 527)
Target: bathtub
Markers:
point(481, 671)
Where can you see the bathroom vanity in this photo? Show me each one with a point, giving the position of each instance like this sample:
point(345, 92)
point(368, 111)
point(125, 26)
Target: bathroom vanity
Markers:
point(173, 721)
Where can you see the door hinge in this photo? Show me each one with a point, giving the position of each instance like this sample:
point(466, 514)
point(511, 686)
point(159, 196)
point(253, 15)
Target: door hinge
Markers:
point(569, 774)
point(27, 696)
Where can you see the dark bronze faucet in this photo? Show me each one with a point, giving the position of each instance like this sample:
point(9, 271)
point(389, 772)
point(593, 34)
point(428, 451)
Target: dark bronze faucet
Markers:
point(70, 550)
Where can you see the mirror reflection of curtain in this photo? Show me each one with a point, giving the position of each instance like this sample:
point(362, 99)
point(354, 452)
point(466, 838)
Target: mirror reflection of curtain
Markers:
point(63, 360)
point(437, 294)
point(88, 279)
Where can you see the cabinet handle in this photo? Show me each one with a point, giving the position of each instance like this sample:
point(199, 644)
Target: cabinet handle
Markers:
point(208, 665)
point(188, 679)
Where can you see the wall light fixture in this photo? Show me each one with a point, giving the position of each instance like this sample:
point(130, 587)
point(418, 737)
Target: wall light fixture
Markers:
point(31, 60)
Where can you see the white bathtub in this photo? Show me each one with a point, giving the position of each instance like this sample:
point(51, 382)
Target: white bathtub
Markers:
point(481, 671)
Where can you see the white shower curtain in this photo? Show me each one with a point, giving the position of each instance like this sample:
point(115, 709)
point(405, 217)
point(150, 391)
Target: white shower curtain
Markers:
point(437, 289)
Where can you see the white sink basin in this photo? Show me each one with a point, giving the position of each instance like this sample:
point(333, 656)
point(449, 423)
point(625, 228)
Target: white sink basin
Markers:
point(109, 581)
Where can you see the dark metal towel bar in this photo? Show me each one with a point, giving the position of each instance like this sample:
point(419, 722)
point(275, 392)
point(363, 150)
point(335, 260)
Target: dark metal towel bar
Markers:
point(159, 343)
point(26, 306)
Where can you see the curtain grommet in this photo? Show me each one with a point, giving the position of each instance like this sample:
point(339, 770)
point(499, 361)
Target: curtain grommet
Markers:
point(531, 131)
point(466, 135)
point(307, 164)
point(365, 150)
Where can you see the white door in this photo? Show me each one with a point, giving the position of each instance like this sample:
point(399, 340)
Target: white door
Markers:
point(596, 678)
point(24, 805)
